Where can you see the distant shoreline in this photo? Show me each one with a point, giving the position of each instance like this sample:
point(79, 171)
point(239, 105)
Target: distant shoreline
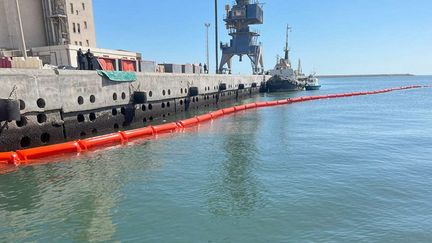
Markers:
point(365, 75)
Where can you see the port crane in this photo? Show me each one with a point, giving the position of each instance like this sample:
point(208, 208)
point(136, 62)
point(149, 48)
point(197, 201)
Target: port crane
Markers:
point(244, 41)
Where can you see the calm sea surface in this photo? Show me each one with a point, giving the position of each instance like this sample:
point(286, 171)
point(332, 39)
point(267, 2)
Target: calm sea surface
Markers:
point(355, 169)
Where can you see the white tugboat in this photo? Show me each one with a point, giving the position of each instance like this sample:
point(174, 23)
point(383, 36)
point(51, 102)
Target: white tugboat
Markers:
point(312, 83)
point(283, 76)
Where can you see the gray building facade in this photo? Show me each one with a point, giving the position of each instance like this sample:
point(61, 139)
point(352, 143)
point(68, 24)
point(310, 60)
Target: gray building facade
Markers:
point(47, 23)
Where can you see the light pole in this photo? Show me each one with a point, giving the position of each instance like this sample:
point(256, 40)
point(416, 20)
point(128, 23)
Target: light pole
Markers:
point(207, 25)
point(216, 37)
point(23, 45)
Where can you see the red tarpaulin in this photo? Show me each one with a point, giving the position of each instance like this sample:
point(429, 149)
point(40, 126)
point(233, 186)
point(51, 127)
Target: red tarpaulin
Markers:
point(128, 66)
point(5, 62)
point(106, 64)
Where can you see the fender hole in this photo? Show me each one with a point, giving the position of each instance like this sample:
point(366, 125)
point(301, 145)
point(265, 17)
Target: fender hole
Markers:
point(25, 142)
point(22, 122)
point(45, 138)
point(92, 116)
point(92, 99)
point(41, 103)
point(80, 118)
point(41, 118)
point(114, 112)
point(80, 100)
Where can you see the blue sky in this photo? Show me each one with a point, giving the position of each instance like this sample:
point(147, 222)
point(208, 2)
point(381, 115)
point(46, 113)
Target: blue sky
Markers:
point(330, 36)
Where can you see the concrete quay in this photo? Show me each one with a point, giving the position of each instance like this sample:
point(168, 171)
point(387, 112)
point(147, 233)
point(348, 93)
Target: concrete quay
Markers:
point(59, 105)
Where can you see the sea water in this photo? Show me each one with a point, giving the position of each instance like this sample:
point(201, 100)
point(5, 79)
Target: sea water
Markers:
point(355, 169)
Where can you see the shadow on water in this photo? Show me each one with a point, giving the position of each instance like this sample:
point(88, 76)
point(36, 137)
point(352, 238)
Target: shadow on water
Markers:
point(234, 186)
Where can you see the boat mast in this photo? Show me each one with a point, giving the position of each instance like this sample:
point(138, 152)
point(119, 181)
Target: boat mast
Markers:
point(299, 69)
point(287, 50)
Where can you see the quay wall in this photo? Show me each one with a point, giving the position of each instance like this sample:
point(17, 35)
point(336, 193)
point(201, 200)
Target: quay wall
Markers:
point(61, 105)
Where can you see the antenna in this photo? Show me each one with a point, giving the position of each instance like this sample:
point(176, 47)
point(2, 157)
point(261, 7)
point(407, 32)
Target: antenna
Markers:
point(207, 25)
point(287, 50)
point(216, 36)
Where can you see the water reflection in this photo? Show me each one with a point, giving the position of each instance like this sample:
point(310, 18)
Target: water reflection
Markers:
point(235, 188)
point(73, 203)
point(20, 193)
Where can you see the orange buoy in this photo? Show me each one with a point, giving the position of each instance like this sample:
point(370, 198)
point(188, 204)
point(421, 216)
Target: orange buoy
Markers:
point(6, 157)
point(240, 108)
point(49, 151)
point(228, 110)
point(272, 103)
point(216, 114)
point(165, 128)
point(204, 118)
point(138, 133)
point(283, 102)
point(251, 106)
point(261, 104)
point(110, 139)
point(189, 122)
point(309, 98)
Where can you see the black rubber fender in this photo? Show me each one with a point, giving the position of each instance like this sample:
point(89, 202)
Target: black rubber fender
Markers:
point(139, 97)
point(193, 91)
point(222, 86)
point(10, 110)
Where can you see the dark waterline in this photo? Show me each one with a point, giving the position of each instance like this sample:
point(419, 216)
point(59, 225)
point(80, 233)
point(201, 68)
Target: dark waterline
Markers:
point(352, 169)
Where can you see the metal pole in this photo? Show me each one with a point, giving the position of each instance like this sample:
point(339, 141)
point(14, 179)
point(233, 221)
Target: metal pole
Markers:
point(23, 45)
point(207, 25)
point(216, 37)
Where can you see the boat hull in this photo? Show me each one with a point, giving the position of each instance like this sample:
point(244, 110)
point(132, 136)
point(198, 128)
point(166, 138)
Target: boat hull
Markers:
point(280, 85)
point(313, 87)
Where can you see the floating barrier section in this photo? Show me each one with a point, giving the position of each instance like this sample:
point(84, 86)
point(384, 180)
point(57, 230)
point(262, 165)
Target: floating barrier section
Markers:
point(36, 155)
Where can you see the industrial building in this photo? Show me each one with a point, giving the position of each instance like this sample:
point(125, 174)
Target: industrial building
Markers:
point(47, 23)
point(54, 30)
